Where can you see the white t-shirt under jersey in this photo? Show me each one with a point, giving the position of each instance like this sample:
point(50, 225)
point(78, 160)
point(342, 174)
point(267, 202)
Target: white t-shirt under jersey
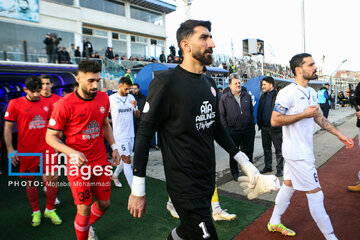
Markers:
point(122, 115)
point(298, 136)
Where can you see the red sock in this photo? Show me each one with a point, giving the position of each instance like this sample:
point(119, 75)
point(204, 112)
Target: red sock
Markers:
point(51, 193)
point(95, 214)
point(33, 196)
point(81, 225)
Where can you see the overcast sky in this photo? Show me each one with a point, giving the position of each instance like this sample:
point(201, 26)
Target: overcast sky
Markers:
point(332, 28)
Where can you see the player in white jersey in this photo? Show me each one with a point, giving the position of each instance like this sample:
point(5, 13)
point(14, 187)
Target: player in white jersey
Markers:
point(123, 108)
point(296, 110)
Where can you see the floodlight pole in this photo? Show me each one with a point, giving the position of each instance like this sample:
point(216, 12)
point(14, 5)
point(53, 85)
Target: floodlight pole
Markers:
point(303, 25)
point(331, 83)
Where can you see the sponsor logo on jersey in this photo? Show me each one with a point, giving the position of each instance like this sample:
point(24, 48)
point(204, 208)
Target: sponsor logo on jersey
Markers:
point(125, 110)
point(46, 109)
point(207, 116)
point(6, 114)
point(37, 123)
point(102, 109)
point(213, 91)
point(92, 131)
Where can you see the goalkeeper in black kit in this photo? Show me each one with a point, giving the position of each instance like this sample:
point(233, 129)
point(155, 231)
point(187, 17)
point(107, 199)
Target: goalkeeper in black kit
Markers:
point(182, 105)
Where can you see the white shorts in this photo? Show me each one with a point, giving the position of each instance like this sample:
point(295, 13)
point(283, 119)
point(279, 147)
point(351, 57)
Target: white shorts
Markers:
point(302, 174)
point(125, 145)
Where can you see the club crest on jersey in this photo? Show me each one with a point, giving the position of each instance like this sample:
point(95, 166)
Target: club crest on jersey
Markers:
point(213, 91)
point(46, 109)
point(102, 109)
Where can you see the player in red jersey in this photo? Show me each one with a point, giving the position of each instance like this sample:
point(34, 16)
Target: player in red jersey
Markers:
point(83, 117)
point(31, 114)
point(46, 86)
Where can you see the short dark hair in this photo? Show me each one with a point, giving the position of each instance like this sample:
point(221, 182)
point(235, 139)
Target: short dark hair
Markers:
point(86, 66)
point(269, 80)
point(186, 29)
point(45, 76)
point(33, 83)
point(326, 84)
point(75, 84)
point(125, 80)
point(297, 61)
point(136, 84)
point(67, 90)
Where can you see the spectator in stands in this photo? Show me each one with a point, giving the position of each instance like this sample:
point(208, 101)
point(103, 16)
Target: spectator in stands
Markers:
point(220, 91)
point(88, 48)
point(96, 55)
point(162, 57)
point(72, 53)
point(332, 95)
point(269, 135)
point(63, 56)
point(77, 54)
point(324, 100)
point(128, 74)
point(342, 99)
point(237, 116)
point(50, 48)
point(109, 53)
point(123, 58)
point(244, 75)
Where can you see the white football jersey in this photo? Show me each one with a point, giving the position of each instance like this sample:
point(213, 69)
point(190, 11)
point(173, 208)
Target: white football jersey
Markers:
point(298, 136)
point(122, 115)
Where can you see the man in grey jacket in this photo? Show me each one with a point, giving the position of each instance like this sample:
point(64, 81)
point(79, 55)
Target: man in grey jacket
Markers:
point(237, 116)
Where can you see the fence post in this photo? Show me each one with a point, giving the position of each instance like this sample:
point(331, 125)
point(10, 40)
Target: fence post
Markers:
point(25, 51)
point(5, 55)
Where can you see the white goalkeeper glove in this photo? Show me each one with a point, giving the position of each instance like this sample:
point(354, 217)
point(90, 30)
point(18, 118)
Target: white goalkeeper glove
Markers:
point(264, 183)
point(247, 167)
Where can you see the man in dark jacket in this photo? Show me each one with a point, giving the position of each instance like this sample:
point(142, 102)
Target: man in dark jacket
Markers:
point(268, 133)
point(237, 116)
point(356, 187)
point(140, 99)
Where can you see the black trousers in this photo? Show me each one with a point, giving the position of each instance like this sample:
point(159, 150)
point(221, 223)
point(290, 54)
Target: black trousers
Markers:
point(325, 109)
point(268, 136)
point(195, 219)
point(245, 141)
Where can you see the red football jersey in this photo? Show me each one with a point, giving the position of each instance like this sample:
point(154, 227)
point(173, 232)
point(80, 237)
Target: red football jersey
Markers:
point(53, 98)
point(82, 122)
point(31, 120)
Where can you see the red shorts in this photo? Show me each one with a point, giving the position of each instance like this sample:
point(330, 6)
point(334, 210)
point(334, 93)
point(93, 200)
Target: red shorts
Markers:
point(84, 183)
point(31, 164)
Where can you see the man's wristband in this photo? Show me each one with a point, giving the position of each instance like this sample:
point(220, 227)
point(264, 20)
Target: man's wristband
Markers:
point(138, 186)
point(114, 147)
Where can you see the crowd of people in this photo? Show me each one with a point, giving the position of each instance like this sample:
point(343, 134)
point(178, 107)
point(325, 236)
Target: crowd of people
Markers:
point(188, 121)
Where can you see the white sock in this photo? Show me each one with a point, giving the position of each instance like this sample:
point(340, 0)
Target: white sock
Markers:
point(318, 213)
point(282, 202)
point(215, 206)
point(128, 173)
point(118, 169)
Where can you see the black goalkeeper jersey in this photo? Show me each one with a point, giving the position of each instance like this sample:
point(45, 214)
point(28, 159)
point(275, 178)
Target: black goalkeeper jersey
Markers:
point(183, 108)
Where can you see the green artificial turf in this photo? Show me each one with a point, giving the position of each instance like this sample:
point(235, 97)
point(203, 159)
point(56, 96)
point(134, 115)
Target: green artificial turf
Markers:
point(117, 223)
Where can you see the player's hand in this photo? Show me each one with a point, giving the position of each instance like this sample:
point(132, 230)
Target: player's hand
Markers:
point(77, 158)
point(14, 157)
point(311, 111)
point(116, 157)
point(137, 205)
point(134, 103)
point(264, 183)
point(247, 167)
point(349, 143)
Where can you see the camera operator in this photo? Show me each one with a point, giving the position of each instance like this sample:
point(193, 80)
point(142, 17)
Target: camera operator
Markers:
point(51, 41)
point(355, 99)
